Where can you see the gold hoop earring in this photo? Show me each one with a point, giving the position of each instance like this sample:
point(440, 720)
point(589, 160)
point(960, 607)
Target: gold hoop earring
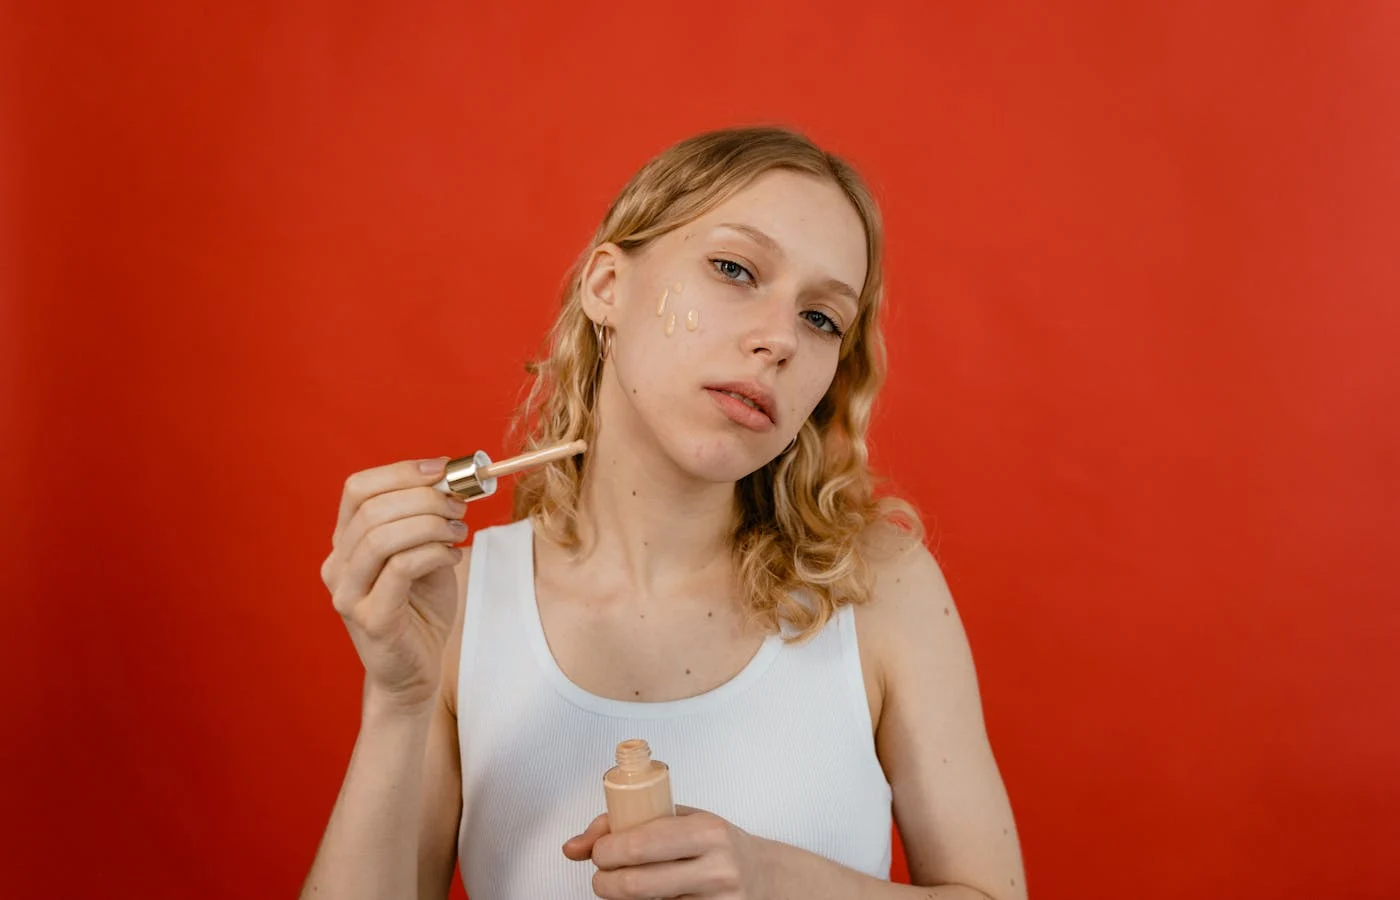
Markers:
point(604, 336)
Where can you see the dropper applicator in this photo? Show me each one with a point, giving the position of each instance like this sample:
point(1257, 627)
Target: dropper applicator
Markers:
point(473, 477)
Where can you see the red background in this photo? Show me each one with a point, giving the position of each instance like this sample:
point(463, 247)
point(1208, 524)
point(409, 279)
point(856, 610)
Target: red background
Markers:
point(1143, 306)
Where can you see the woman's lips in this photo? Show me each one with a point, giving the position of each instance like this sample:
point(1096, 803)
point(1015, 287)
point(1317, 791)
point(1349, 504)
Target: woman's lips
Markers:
point(740, 412)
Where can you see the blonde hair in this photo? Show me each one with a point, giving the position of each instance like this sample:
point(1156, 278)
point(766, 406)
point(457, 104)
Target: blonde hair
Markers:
point(803, 516)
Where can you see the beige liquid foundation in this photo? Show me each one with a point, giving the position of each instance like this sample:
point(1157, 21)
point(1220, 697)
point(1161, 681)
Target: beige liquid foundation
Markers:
point(638, 788)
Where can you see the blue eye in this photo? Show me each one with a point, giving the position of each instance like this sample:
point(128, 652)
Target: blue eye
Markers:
point(732, 270)
point(822, 322)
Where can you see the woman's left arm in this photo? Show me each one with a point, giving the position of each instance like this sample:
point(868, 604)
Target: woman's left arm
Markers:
point(950, 804)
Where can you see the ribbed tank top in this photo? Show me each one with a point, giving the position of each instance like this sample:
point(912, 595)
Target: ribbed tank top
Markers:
point(783, 750)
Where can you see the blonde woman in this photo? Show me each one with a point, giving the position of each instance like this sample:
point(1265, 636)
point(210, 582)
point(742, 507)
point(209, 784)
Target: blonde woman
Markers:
point(716, 575)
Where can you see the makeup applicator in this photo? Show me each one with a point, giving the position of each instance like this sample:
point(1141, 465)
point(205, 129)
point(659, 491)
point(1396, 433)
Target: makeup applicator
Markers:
point(473, 477)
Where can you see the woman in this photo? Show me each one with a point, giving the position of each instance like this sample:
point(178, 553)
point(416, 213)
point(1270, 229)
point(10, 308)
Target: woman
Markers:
point(697, 579)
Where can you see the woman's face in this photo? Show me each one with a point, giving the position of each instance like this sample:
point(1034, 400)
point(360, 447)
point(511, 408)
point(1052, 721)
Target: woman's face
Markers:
point(728, 329)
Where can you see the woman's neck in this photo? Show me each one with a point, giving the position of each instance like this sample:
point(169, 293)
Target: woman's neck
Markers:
point(654, 529)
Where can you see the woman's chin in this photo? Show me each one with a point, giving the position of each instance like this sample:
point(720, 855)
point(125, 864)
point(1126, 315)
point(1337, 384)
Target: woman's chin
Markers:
point(721, 461)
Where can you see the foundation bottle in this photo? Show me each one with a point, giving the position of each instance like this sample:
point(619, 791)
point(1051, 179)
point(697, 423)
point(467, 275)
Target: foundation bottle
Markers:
point(638, 788)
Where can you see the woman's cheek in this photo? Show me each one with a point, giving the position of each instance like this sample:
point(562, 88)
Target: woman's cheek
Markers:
point(811, 395)
point(673, 312)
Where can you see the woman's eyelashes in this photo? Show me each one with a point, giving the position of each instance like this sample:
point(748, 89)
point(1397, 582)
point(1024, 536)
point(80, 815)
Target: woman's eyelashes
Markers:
point(737, 273)
point(732, 270)
point(823, 323)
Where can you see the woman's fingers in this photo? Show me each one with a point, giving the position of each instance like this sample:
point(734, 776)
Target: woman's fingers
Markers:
point(381, 509)
point(368, 483)
point(372, 556)
point(390, 574)
point(379, 611)
point(580, 846)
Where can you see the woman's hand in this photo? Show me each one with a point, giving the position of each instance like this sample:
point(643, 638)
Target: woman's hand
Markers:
point(691, 854)
point(391, 578)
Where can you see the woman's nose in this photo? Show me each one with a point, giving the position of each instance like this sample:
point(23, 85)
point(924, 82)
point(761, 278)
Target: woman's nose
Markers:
point(773, 334)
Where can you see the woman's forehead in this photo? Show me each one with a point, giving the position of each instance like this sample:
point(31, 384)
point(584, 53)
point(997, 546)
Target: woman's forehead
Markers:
point(808, 221)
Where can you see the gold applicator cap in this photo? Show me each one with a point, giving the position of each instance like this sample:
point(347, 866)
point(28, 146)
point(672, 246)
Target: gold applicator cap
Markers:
point(464, 477)
point(473, 477)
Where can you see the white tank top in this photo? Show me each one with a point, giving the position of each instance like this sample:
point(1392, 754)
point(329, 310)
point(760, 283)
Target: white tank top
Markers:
point(783, 750)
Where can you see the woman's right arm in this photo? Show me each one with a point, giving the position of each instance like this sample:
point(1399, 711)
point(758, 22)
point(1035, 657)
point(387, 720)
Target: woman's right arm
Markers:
point(399, 584)
point(442, 770)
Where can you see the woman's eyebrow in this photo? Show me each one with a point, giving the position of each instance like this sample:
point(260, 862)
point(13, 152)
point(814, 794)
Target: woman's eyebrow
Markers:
point(758, 237)
point(841, 289)
point(830, 285)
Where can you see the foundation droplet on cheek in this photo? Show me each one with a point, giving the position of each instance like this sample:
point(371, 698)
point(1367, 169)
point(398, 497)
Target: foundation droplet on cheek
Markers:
point(661, 304)
point(670, 324)
point(692, 320)
point(678, 288)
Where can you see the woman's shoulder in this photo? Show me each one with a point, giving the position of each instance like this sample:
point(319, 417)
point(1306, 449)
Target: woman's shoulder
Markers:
point(905, 576)
point(911, 612)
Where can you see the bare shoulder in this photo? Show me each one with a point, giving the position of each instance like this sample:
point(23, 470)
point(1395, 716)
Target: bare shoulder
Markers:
point(452, 653)
point(911, 609)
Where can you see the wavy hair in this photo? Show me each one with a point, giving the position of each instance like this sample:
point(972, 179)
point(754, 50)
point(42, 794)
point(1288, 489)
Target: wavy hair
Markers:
point(803, 516)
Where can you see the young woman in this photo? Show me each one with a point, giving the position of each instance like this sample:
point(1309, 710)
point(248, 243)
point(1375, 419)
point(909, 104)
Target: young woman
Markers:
point(715, 575)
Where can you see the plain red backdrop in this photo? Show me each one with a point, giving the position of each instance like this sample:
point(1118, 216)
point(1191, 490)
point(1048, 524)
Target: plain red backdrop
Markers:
point(1143, 326)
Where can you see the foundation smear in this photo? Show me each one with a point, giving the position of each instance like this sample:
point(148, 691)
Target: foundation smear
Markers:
point(692, 320)
point(670, 324)
point(661, 304)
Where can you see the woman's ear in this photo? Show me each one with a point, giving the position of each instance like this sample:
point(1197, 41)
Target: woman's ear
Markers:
point(599, 281)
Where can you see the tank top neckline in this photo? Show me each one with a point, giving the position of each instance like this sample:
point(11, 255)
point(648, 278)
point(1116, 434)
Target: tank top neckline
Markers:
point(521, 534)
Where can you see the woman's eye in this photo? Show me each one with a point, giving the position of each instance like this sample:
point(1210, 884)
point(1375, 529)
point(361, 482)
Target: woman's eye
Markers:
point(822, 322)
point(732, 270)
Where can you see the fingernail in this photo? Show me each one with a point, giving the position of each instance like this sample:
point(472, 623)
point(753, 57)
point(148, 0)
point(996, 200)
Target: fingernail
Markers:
point(433, 466)
point(459, 527)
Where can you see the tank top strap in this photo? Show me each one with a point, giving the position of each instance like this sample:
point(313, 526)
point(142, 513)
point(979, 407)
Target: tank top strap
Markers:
point(494, 590)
